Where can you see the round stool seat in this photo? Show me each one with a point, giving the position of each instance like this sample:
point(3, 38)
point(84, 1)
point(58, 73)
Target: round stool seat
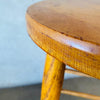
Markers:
point(68, 30)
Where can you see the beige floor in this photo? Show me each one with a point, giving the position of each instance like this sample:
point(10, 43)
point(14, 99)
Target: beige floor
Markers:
point(32, 92)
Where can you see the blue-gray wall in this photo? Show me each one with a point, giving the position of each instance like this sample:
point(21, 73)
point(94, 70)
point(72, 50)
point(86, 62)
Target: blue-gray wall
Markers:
point(21, 61)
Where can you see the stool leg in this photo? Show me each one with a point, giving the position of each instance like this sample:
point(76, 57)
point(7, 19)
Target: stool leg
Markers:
point(52, 79)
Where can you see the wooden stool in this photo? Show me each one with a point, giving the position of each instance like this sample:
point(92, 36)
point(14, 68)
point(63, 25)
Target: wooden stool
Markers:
point(69, 32)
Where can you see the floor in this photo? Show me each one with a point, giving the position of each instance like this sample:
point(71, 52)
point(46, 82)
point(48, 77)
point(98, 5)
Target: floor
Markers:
point(32, 92)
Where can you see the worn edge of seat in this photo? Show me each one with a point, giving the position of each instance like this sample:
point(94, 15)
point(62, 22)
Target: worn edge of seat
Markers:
point(87, 48)
point(83, 45)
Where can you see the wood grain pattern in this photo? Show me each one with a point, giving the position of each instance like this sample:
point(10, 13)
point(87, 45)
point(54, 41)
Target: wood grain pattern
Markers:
point(52, 79)
point(67, 31)
point(76, 18)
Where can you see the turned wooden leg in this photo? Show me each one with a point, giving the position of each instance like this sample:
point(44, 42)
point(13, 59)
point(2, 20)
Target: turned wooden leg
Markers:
point(52, 79)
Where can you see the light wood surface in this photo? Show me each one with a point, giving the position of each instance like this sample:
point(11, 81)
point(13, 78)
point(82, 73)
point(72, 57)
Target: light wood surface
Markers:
point(76, 18)
point(52, 79)
point(79, 94)
point(70, 71)
point(69, 30)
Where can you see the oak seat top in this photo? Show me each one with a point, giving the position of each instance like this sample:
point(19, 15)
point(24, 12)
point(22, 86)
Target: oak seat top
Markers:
point(68, 30)
point(76, 18)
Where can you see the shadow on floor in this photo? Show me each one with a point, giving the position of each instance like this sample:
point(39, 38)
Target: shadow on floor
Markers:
point(32, 92)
